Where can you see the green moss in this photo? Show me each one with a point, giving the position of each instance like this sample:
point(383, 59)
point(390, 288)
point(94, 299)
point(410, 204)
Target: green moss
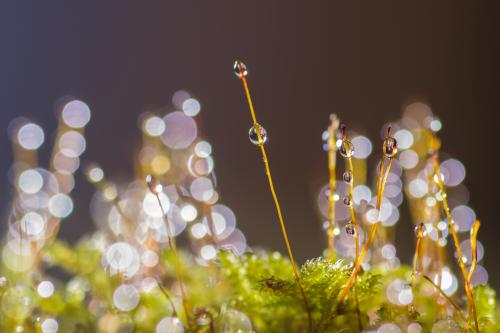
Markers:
point(253, 292)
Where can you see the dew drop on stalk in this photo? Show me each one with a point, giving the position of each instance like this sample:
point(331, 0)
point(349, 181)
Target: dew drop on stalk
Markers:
point(346, 148)
point(347, 177)
point(349, 229)
point(416, 229)
point(153, 184)
point(390, 147)
point(240, 69)
point(254, 137)
point(347, 201)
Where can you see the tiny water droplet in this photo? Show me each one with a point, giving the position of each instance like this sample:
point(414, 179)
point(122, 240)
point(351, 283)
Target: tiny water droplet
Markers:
point(347, 201)
point(254, 137)
point(390, 146)
point(347, 177)
point(417, 227)
point(240, 69)
point(349, 229)
point(153, 184)
point(346, 148)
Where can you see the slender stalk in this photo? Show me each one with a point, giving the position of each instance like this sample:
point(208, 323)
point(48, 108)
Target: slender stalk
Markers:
point(167, 296)
point(473, 245)
point(358, 311)
point(171, 242)
point(381, 186)
point(417, 257)
point(456, 242)
point(446, 297)
point(332, 150)
point(353, 217)
point(242, 76)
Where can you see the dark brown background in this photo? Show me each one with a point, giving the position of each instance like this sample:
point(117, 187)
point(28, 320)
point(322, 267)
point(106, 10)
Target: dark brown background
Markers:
point(307, 59)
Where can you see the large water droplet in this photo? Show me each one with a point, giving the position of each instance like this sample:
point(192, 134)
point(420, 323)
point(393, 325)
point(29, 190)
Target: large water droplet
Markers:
point(126, 297)
point(240, 69)
point(346, 148)
point(350, 229)
point(347, 177)
point(390, 147)
point(234, 321)
point(254, 137)
point(170, 325)
point(416, 229)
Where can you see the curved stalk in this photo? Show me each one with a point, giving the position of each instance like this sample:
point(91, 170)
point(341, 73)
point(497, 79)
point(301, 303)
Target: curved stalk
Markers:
point(381, 186)
point(242, 75)
point(456, 242)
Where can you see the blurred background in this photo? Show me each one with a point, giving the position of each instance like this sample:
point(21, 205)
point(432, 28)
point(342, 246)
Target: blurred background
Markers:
point(306, 60)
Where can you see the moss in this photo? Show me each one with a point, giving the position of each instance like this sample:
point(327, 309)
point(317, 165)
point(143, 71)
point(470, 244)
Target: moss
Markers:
point(253, 292)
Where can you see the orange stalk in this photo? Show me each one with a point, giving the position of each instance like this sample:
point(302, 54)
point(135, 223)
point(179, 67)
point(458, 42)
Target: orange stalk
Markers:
point(456, 242)
point(381, 186)
point(241, 73)
point(332, 150)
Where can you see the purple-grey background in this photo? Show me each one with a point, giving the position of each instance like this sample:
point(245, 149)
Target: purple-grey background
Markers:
point(307, 59)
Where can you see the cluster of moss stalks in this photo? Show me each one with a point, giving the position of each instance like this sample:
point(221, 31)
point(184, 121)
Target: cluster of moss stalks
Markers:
point(250, 293)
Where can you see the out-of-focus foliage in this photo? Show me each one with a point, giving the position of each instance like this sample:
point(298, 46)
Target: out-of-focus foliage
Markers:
point(249, 293)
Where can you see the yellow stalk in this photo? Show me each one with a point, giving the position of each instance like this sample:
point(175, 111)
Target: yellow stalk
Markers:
point(353, 220)
point(473, 245)
point(381, 186)
point(167, 295)
point(256, 125)
point(332, 150)
point(416, 259)
point(446, 297)
point(173, 248)
point(456, 242)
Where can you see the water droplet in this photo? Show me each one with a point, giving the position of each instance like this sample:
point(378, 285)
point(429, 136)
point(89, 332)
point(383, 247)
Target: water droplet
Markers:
point(240, 69)
point(170, 324)
point(347, 177)
point(349, 229)
point(390, 147)
point(126, 297)
point(417, 227)
point(346, 148)
point(234, 321)
point(254, 137)
point(347, 201)
point(153, 184)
